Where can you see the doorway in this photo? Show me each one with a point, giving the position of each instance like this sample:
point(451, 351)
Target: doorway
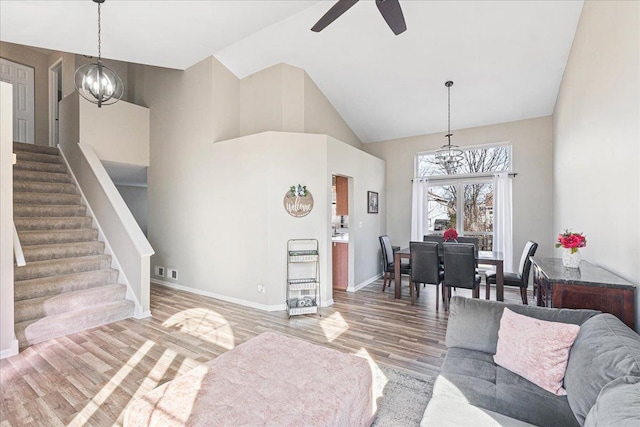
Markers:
point(340, 231)
point(21, 77)
point(55, 96)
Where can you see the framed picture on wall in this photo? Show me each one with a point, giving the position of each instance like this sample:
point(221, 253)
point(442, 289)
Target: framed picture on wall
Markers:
point(372, 202)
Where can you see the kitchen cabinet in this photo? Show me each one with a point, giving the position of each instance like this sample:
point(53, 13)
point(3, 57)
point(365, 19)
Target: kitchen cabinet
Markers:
point(340, 253)
point(342, 195)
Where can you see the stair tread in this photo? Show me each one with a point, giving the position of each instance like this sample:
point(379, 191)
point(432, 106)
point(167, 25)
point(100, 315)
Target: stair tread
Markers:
point(57, 267)
point(42, 286)
point(32, 331)
point(25, 175)
point(40, 166)
point(32, 156)
point(34, 223)
point(34, 308)
point(73, 259)
point(34, 148)
point(25, 186)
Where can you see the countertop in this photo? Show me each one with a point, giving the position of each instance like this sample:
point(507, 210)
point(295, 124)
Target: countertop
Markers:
point(587, 274)
point(340, 238)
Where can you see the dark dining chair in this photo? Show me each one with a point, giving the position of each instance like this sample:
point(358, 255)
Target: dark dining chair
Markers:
point(521, 278)
point(460, 269)
point(425, 267)
point(388, 266)
point(475, 241)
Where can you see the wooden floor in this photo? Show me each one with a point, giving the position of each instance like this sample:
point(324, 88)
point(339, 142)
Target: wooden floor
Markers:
point(89, 378)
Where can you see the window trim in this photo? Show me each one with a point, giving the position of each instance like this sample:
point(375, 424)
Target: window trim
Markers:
point(459, 183)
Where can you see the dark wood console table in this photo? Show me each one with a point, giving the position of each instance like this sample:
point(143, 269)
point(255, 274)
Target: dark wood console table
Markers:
point(586, 287)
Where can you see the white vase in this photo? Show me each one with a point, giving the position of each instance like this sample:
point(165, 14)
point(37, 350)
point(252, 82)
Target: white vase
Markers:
point(571, 260)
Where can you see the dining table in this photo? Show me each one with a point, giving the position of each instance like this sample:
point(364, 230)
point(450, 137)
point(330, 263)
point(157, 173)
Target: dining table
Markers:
point(484, 257)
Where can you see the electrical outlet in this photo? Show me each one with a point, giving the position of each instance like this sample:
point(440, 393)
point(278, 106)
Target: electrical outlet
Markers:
point(159, 270)
point(172, 273)
point(261, 288)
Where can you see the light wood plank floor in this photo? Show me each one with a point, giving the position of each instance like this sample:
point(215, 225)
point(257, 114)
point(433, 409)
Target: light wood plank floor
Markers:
point(89, 378)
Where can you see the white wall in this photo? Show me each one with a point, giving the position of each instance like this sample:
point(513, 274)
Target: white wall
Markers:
point(596, 158)
point(532, 188)
point(368, 173)
point(136, 200)
point(8, 342)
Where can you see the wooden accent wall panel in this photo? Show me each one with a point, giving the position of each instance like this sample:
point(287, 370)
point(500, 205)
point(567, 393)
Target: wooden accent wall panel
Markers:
point(342, 195)
point(340, 252)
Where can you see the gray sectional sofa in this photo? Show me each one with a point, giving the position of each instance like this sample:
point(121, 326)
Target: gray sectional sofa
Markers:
point(602, 379)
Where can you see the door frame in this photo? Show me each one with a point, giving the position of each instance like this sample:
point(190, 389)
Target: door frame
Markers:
point(54, 70)
point(32, 99)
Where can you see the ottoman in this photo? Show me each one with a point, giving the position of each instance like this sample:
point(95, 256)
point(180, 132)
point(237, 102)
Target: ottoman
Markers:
point(270, 380)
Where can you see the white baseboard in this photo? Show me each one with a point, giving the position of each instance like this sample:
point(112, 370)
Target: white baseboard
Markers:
point(251, 304)
point(365, 283)
point(327, 303)
point(11, 351)
point(139, 314)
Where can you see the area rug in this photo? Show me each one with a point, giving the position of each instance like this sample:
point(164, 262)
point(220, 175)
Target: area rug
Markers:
point(404, 397)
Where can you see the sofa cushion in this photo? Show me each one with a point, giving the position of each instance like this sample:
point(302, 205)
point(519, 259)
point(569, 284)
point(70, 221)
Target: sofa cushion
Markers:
point(618, 404)
point(443, 412)
point(473, 323)
point(535, 349)
point(472, 377)
point(605, 349)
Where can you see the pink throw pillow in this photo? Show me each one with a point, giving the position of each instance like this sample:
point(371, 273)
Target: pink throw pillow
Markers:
point(537, 350)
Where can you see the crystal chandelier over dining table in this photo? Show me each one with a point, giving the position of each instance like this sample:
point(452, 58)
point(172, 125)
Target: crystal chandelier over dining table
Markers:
point(449, 155)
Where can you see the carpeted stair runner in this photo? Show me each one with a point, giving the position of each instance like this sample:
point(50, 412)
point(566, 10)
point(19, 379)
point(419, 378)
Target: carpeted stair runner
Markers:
point(67, 285)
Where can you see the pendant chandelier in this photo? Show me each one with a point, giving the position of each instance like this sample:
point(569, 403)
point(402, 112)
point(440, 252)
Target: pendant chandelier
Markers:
point(449, 155)
point(95, 82)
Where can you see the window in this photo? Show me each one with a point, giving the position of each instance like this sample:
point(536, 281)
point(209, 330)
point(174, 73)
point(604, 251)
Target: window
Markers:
point(462, 198)
point(478, 160)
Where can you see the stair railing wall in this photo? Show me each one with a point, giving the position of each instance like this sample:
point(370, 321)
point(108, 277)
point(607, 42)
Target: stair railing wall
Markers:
point(17, 248)
point(8, 340)
point(124, 240)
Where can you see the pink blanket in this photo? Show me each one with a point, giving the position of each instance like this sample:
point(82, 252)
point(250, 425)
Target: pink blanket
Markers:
point(270, 380)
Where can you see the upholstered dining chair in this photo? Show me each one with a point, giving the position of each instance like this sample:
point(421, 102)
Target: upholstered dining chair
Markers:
point(521, 278)
point(388, 265)
point(425, 267)
point(460, 269)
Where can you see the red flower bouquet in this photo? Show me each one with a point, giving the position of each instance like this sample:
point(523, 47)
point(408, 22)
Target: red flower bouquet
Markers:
point(450, 234)
point(571, 241)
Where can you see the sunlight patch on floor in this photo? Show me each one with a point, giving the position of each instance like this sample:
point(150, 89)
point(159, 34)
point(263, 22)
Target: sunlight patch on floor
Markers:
point(380, 380)
point(203, 324)
point(90, 408)
point(333, 326)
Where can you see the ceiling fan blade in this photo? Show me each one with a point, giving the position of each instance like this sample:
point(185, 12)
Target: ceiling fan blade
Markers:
point(334, 13)
point(392, 13)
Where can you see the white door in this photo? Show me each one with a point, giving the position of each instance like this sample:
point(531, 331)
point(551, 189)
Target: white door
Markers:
point(22, 79)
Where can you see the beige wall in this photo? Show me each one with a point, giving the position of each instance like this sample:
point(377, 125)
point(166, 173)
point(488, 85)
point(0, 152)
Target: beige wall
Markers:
point(532, 188)
point(68, 70)
point(597, 140)
point(128, 143)
point(284, 98)
point(321, 117)
point(39, 61)
point(365, 173)
point(136, 200)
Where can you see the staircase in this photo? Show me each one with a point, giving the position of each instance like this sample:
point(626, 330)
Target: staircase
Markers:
point(68, 284)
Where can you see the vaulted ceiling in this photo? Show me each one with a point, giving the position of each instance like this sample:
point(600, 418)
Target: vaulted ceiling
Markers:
point(505, 57)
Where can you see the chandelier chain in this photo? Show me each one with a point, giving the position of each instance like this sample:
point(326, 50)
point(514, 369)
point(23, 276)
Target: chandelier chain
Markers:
point(99, 35)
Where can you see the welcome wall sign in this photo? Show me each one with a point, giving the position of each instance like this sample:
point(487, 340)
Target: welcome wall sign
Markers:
point(298, 201)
